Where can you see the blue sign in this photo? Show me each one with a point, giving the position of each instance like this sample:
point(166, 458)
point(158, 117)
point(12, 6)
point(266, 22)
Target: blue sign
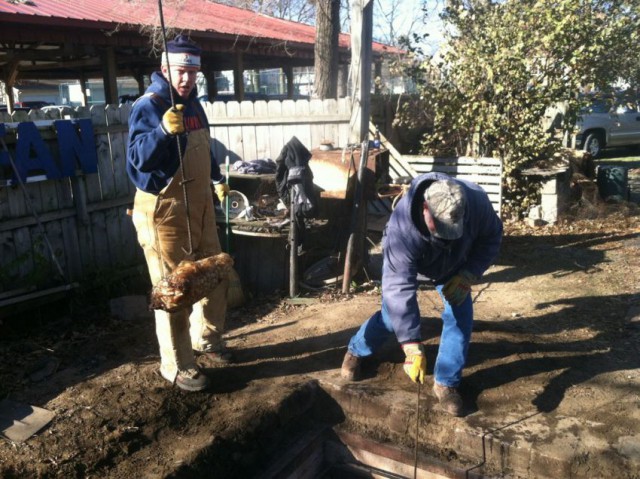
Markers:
point(76, 147)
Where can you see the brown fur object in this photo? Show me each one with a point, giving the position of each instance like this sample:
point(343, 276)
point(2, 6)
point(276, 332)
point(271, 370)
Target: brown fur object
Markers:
point(190, 282)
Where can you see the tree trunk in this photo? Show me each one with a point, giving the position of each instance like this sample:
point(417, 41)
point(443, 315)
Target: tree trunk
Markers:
point(326, 49)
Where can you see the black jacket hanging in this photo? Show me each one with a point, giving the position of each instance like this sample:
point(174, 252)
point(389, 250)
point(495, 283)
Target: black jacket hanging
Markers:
point(294, 177)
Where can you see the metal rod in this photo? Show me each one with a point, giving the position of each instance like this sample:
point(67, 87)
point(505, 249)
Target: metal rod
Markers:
point(415, 455)
point(355, 215)
point(173, 105)
point(293, 245)
point(226, 201)
point(166, 53)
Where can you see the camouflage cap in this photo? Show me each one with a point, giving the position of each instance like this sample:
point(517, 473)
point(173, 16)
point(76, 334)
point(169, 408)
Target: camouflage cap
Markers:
point(447, 203)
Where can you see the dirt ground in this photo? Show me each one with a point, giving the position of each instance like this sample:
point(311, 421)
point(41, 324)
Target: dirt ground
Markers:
point(552, 334)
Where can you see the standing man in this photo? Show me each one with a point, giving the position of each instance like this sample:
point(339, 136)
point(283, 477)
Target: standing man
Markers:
point(446, 230)
point(160, 211)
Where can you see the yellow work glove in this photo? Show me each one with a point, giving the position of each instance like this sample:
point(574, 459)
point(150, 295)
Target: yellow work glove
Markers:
point(173, 120)
point(415, 363)
point(457, 288)
point(221, 190)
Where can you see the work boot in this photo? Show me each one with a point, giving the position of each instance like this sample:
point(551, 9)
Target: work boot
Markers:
point(450, 400)
point(191, 379)
point(350, 367)
point(220, 356)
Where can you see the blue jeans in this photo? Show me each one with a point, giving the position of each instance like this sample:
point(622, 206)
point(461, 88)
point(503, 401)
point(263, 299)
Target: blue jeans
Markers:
point(454, 342)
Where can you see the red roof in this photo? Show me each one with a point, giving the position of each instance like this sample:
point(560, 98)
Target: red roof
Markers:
point(188, 15)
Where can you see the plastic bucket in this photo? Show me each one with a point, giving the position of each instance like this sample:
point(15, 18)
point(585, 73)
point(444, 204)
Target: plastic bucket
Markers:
point(613, 181)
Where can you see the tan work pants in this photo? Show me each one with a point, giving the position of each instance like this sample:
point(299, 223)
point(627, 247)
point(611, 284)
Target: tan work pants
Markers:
point(161, 226)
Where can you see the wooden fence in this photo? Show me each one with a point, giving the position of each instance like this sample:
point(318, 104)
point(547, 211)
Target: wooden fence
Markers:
point(486, 172)
point(82, 215)
point(249, 131)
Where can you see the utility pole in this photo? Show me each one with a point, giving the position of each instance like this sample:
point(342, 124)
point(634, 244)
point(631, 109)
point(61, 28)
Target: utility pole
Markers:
point(360, 73)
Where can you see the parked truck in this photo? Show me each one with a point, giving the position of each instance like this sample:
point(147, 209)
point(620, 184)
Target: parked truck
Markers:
point(608, 122)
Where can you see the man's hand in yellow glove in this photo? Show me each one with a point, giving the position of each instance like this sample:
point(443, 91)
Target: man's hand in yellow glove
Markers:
point(415, 364)
point(221, 190)
point(173, 121)
point(457, 288)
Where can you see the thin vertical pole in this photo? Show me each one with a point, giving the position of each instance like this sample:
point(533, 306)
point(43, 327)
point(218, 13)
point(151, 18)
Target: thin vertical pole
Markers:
point(293, 248)
point(173, 105)
point(356, 211)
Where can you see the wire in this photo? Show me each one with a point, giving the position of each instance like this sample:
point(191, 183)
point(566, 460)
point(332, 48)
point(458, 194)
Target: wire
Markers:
point(173, 105)
point(415, 456)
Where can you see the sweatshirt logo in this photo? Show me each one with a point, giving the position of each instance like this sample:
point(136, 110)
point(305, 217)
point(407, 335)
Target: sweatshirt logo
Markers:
point(192, 123)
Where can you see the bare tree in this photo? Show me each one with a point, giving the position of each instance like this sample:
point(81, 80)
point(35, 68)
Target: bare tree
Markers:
point(396, 19)
point(326, 48)
point(153, 30)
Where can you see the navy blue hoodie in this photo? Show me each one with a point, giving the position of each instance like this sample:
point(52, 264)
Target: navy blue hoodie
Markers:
point(152, 155)
point(408, 251)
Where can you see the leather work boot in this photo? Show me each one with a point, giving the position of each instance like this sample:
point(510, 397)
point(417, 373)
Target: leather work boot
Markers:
point(350, 367)
point(191, 379)
point(221, 356)
point(450, 400)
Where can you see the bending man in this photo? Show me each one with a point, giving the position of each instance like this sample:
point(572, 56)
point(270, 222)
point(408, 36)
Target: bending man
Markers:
point(444, 230)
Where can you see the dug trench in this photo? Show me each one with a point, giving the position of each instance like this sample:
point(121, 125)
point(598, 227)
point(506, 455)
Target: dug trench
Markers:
point(343, 433)
point(552, 383)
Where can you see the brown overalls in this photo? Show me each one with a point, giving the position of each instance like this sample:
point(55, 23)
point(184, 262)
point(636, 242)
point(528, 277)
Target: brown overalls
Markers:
point(161, 225)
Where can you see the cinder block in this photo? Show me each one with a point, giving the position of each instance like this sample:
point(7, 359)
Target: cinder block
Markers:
point(535, 222)
point(549, 187)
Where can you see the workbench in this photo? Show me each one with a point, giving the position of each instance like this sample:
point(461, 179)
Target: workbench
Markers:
point(264, 265)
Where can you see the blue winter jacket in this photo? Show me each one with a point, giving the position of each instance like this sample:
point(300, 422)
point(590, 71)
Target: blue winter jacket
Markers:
point(408, 251)
point(152, 155)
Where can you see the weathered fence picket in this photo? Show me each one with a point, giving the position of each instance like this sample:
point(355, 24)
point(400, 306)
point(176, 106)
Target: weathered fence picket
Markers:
point(486, 172)
point(263, 145)
point(276, 131)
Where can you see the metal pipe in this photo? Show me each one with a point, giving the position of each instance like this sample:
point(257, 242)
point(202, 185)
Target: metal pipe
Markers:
point(415, 452)
point(293, 247)
point(226, 204)
point(355, 216)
